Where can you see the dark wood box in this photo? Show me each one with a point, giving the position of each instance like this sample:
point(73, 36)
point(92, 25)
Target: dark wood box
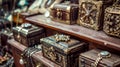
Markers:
point(28, 36)
point(88, 59)
point(91, 13)
point(64, 13)
point(112, 21)
point(64, 54)
point(5, 35)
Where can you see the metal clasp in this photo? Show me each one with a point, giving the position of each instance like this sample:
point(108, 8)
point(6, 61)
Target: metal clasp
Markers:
point(101, 55)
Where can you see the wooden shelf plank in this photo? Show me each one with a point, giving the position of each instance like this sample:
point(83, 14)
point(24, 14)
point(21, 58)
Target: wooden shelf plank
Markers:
point(37, 56)
point(90, 35)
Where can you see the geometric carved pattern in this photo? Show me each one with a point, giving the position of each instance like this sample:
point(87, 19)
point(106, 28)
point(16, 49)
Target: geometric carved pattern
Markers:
point(90, 13)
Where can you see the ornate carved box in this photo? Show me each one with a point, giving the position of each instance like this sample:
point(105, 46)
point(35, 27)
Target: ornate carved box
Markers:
point(91, 13)
point(28, 34)
point(64, 13)
point(112, 21)
point(98, 58)
point(63, 50)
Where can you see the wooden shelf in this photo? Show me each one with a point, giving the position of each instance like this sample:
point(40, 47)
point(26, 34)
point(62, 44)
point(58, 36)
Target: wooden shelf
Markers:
point(37, 56)
point(98, 37)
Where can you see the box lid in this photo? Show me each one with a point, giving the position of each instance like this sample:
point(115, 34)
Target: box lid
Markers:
point(62, 46)
point(29, 31)
point(92, 55)
point(64, 7)
point(113, 9)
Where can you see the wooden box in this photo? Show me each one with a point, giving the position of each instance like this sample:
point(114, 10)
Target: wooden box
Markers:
point(28, 34)
point(90, 58)
point(112, 21)
point(62, 50)
point(91, 13)
point(64, 13)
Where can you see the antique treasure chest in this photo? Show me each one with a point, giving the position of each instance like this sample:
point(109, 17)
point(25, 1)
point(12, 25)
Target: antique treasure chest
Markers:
point(64, 13)
point(91, 13)
point(28, 34)
point(98, 58)
point(112, 20)
point(63, 50)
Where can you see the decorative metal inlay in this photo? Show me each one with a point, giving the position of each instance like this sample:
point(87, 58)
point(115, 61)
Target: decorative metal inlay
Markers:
point(112, 21)
point(101, 55)
point(88, 12)
point(51, 53)
point(61, 38)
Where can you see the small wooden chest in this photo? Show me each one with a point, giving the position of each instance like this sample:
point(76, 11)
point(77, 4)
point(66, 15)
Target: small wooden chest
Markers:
point(62, 50)
point(64, 13)
point(112, 20)
point(89, 59)
point(28, 34)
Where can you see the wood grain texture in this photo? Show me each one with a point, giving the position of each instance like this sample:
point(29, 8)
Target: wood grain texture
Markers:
point(98, 37)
